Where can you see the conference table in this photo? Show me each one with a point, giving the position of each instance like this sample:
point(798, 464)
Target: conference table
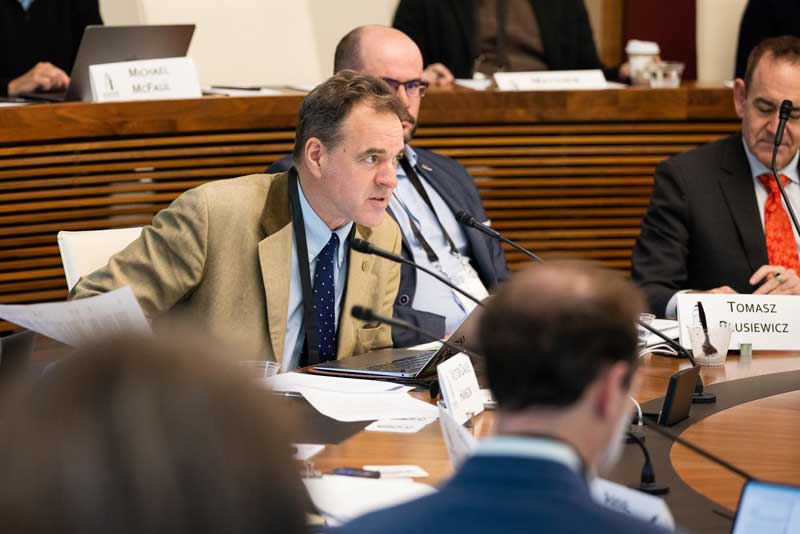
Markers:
point(754, 425)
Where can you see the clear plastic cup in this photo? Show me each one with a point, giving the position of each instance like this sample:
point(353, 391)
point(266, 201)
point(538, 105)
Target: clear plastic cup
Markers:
point(665, 74)
point(260, 369)
point(720, 339)
point(646, 318)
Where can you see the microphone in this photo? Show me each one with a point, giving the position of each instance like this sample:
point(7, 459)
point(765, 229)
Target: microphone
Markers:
point(466, 219)
point(783, 116)
point(699, 397)
point(647, 482)
point(359, 245)
point(367, 314)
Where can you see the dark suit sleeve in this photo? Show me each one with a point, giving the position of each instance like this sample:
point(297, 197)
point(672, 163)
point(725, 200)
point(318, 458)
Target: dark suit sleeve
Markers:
point(85, 13)
point(661, 255)
point(409, 19)
point(587, 51)
point(282, 165)
point(757, 24)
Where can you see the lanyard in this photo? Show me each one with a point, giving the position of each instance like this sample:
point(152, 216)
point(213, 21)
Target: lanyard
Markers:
point(417, 183)
point(299, 229)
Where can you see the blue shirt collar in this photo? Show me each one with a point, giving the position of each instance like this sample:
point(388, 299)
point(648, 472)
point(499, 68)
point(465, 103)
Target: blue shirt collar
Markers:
point(757, 168)
point(530, 447)
point(317, 232)
point(411, 156)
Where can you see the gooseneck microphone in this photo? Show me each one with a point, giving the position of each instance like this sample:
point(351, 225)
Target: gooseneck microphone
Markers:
point(783, 116)
point(359, 245)
point(700, 396)
point(367, 314)
point(647, 482)
point(466, 219)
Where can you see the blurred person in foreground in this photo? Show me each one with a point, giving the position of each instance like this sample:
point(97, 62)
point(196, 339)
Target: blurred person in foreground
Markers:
point(139, 436)
point(560, 347)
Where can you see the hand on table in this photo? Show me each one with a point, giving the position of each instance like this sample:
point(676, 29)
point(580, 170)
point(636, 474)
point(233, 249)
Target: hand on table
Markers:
point(776, 280)
point(43, 76)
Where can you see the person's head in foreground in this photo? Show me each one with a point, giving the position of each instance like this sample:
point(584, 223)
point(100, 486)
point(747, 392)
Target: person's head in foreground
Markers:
point(140, 436)
point(560, 345)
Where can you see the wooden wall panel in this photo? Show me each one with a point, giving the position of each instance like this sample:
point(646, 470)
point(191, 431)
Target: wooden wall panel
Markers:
point(565, 173)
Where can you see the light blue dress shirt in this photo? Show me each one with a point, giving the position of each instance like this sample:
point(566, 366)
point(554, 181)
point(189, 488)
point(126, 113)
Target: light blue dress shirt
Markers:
point(26, 4)
point(317, 236)
point(431, 295)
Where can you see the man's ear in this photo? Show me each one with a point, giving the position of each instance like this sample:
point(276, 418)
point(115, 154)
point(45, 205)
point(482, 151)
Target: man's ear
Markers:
point(739, 96)
point(314, 153)
point(612, 387)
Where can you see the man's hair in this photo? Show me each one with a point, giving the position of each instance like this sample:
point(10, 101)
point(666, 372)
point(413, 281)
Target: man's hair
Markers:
point(325, 109)
point(348, 52)
point(784, 48)
point(138, 435)
point(552, 329)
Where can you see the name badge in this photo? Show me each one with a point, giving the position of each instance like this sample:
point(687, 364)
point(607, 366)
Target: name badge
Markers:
point(147, 79)
point(551, 80)
point(460, 389)
point(468, 280)
point(769, 322)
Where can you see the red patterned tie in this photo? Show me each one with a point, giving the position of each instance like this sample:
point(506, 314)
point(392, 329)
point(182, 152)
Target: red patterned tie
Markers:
point(781, 245)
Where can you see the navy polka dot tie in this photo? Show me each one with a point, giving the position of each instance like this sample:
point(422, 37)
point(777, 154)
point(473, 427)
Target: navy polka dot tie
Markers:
point(325, 300)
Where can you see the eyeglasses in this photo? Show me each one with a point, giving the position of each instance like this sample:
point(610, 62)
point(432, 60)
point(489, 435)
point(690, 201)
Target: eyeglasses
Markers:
point(412, 87)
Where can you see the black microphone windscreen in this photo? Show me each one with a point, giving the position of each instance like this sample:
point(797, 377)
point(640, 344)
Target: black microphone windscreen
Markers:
point(362, 313)
point(464, 217)
point(359, 245)
point(786, 109)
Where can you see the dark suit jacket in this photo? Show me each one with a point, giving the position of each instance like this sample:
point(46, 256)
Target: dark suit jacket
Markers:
point(508, 495)
point(763, 19)
point(50, 30)
point(446, 31)
point(457, 189)
point(702, 229)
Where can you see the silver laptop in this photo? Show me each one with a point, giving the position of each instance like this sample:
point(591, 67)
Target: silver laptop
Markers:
point(406, 363)
point(112, 44)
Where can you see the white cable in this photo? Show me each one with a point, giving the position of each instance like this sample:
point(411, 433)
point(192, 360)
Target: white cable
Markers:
point(638, 410)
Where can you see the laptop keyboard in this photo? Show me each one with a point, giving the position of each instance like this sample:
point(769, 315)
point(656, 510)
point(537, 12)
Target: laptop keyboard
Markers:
point(410, 364)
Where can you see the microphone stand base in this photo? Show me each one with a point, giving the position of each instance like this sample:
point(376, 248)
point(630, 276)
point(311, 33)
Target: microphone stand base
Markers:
point(651, 489)
point(704, 398)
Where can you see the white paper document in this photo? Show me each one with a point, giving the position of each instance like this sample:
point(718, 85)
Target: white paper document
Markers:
point(300, 381)
point(80, 322)
point(368, 406)
point(341, 498)
point(623, 499)
point(667, 326)
point(401, 426)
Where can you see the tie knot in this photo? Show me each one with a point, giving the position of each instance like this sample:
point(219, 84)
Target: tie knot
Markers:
point(769, 183)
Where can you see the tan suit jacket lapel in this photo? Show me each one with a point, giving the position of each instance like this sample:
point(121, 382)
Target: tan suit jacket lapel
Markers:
point(275, 254)
point(359, 267)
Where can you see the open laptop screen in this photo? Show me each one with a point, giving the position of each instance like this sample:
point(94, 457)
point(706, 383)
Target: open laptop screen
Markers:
point(767, 507)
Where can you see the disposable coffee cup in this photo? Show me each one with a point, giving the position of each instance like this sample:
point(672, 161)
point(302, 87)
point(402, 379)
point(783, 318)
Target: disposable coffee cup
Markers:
point(641, 54)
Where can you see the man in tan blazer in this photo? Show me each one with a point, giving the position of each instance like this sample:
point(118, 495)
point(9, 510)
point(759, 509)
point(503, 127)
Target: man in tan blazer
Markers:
point(224, 256)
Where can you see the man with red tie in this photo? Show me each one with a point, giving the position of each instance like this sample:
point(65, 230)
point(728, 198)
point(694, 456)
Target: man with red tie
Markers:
point(716, 221)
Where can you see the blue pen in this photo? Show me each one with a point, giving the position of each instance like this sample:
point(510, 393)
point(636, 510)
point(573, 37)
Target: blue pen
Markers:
point(356, 472)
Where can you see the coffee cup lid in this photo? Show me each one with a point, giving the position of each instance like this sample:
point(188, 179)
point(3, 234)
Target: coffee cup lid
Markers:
point(636, 46)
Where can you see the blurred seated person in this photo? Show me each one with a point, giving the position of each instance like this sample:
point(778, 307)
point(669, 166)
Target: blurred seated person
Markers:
point(39, 40)
point(761, 20)
point(560, 346)
point(462, 38)
point(138, 435)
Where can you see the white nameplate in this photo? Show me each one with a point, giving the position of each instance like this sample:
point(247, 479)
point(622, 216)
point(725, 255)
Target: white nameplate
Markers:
point(550, 80)
point(146, 79)
point(624, 500)
point(769, 322)
point(460, 389)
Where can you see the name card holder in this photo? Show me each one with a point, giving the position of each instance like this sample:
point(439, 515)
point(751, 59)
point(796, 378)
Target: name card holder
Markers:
point(459, 386)
point(768, 322)
point(550, 80)
point(146, 79)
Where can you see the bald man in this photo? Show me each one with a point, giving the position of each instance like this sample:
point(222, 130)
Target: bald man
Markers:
point(431, 189)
